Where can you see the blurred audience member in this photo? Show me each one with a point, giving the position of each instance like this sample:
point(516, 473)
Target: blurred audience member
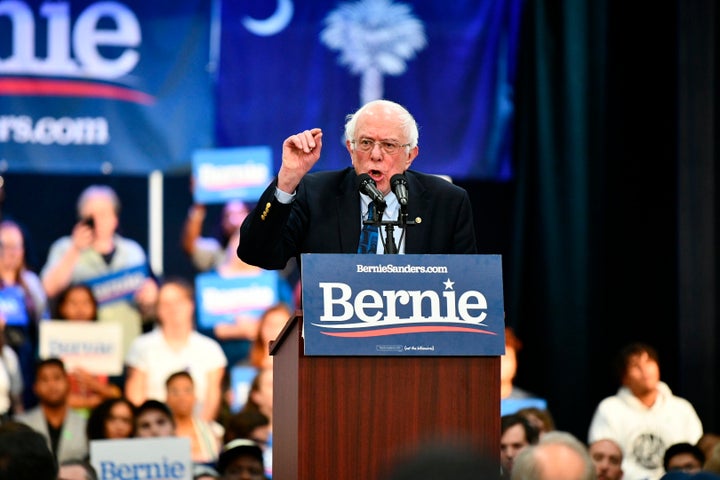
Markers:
point(175, 346)
point(272, 322)
point(24, 454)
point(237, 337)
point(241, 458)
point(512, 397)
point(205, 437)
point(516, 434)
point(260, 399)
point(683, 457)
point(644, 417)
point(557, 456)
point(539, 418)
point(62, 427)
point(607, 456)
point(444, 459)
point(76, 303)
point(93, 253)
point(76, 470)
point(707, 442)
point(249, 424)
point(114, 418)
point(206, 253)
point(712, 462)
point(11, 380)
point(154, 418)
point(23, 294)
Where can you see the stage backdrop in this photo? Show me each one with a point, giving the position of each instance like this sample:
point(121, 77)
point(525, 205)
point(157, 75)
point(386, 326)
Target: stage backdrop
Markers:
point(97, 86)
point(290, 65)
point(133, 86)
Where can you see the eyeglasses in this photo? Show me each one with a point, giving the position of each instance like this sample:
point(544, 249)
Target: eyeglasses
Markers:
point(366, 145)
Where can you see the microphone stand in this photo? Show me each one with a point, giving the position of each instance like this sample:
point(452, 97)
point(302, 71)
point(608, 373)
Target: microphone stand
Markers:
point(389, 247)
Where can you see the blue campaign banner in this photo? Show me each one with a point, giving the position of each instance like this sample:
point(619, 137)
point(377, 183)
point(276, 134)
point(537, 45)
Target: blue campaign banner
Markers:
point(222, 174)
point(395, 305)
point(288, 66)
point(91, 86)
point(119, 285)
point(222, 299)
point(12, 306)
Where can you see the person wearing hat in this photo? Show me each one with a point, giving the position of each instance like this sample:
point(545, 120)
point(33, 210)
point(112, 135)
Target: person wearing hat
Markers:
point(241, 459)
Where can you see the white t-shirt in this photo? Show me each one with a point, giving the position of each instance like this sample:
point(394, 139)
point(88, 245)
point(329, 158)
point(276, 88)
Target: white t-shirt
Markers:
point(152, 355)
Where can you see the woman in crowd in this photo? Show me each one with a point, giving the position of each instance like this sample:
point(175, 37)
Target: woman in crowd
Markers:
point(271, 323)
point(11, 381)
point(22, 289)
point(205, 437)
point(112, 419)
point(173, 346)
point(77, 303)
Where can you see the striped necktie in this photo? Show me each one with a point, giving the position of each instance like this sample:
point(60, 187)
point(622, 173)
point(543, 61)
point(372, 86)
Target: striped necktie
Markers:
point(369, 234)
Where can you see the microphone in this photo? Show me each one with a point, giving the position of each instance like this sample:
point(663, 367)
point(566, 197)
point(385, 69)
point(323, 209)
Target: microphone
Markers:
point(399, 185)
point(367, 186)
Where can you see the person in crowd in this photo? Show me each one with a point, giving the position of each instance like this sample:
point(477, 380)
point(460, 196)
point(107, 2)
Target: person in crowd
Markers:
point(539, 418)
point(292, 216)
point(512, 397)
point(93, 253)
point(644, 416)
point(205, 437)
point(175, 346)
point(707, 442)
point(249, 424)
point(683, 457)
point(25, 454)
point(607, 456)
point(272, 322)
point(78, 469)
point(204, 472)
point(237, 337)
point(516, 433)
point(23, 289)
point(11, 379)
point(443, 458)
point(260, 399)
point(207, 253)
point(154, 418)
point(241, 458)
point(712, 461)
point(113, 418)
point(557, 456)
point(77, 303)
point(63, 428)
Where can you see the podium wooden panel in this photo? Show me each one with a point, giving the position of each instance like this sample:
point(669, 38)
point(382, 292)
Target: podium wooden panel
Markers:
point(349, 417)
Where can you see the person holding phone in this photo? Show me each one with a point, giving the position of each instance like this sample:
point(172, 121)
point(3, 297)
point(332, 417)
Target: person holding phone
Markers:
point(93, 253)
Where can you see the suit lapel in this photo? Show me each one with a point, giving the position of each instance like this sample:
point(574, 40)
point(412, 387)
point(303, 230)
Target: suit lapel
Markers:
point(418, 207)
point(347, 202)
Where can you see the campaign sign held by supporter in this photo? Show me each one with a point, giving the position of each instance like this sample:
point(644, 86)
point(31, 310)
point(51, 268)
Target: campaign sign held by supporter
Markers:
point(162, 458)
point(119, 285)
point(222, 174)
point(12, 306)
point(222, 299)
point(94, 347)
point(403, 305)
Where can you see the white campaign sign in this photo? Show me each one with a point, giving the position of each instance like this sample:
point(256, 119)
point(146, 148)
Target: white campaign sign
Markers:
point(162, 458)
point(93, 346)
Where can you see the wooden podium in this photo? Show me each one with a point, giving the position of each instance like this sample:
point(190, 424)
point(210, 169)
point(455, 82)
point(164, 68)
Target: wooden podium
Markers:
point(349, 417)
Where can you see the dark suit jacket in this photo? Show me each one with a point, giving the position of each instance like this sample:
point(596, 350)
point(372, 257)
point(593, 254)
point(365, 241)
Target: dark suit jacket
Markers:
point(325, 218)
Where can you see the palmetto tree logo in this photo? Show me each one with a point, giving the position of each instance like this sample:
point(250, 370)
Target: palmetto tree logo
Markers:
point(375, 38)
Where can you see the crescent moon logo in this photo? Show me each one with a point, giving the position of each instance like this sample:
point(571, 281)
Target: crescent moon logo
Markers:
point(274, 23)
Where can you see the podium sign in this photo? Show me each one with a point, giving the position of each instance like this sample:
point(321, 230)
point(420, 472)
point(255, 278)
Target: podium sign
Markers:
point(400, 305)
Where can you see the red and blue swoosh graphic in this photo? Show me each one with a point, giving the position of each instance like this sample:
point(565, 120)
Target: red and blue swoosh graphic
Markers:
point(45, 87)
